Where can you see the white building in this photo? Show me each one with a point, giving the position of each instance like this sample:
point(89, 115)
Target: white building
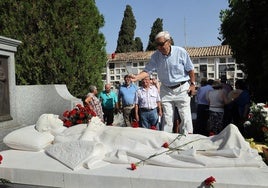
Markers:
point(210, 62)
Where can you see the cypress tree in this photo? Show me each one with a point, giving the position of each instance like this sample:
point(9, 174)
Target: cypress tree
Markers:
point(126, 42)
point(156, 28)
point(139, 45)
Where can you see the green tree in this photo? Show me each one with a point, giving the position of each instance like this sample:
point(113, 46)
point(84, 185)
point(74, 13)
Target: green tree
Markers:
point(245, 28)
point(126, 42)
point(61, 42)
point(139, 45)
point(156, 28)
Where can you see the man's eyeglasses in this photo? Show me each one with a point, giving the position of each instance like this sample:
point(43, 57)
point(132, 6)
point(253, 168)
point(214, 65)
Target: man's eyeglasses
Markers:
point(161, 43)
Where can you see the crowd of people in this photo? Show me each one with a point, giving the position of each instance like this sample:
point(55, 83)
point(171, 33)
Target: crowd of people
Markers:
point(219, 104)
point(167, 106)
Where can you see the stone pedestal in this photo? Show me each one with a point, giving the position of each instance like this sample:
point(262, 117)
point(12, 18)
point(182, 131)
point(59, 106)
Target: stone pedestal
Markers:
point(8, 118)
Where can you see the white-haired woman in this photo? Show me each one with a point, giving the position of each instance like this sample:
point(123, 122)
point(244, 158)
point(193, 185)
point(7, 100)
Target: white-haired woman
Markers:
point(94, 102)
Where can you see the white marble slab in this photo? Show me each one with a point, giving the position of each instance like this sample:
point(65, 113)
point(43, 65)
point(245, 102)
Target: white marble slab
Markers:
point(36, 168)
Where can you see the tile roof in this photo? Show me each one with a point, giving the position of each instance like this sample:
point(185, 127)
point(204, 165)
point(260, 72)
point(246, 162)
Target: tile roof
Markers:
point(223, 50)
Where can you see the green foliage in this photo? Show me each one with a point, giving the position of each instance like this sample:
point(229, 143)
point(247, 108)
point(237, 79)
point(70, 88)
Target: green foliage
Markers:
point(156, 28)
point(138, 44)
point(61, 42)
point(245, 28)
point(125, 42)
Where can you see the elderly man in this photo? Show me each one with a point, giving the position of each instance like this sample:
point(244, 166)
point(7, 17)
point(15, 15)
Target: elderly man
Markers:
point(126, 94)
point(147, 101)
point(109, 102)
point(176, 74)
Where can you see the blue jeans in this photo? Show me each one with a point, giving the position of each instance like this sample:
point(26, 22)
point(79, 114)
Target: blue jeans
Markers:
point(149, 118)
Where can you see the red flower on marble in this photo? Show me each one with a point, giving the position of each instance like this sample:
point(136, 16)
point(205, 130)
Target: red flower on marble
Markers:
point(165, 145)
point(135, 124)
point(211, 133)
point(80, 114)
point(1, 158)
point(133, 166)
point(209, 181)
point(153, 127)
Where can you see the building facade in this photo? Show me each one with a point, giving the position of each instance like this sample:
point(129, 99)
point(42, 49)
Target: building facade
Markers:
point(209, 62)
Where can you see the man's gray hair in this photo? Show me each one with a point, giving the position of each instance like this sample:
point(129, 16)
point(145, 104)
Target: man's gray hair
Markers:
point(92, 88)
point(164, 34)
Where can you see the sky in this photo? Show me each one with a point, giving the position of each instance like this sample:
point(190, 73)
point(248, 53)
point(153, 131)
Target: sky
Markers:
point(191, 23)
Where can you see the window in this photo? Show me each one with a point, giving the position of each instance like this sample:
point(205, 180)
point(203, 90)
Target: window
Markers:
point(117, 77)
point(210, 61)
point(111, 71)
point(117, 71)
point(231, 60)
point(239, 75)
point(135, 65)
point(203, 60)
point(211, 68)
point(123, 70)
point(222, 68)
point(210, 75)
point(112, 77)
point(141, 64)
point(129, 64)
point(203, 68)
point(222, 60)
point(195, 61)
point(230, 67)
point(111, 65)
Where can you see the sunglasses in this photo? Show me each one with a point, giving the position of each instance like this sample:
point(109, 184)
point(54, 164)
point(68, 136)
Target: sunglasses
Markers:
point(161, 43)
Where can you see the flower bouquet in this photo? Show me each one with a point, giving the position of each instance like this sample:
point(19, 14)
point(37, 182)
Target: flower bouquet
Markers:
point(80, 114)
point(256, 125)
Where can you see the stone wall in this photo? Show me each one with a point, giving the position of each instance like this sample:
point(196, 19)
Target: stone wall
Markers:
point(35, 100)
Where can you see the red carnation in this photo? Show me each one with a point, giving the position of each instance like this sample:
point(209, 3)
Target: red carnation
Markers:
point(211, 133)
point(73, 112)
point(66, 113)
point(135, 124)
point(68, 123)
point(153, 127)
point(79, 121)
point(79, 106)
point(209, 181)
point(165, 145)
point(1, 158)
point(133, 166)
point(81, 115)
